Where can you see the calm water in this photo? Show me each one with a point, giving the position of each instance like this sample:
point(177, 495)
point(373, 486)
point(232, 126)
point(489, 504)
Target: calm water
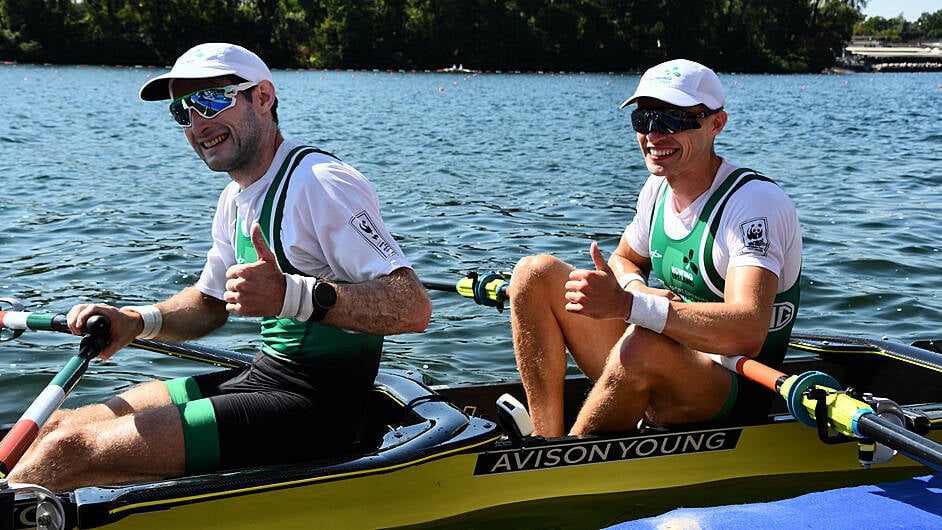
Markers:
point(102, 198)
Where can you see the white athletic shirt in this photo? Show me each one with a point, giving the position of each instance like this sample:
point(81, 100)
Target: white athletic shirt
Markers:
point(755, 200)
point(332, 227)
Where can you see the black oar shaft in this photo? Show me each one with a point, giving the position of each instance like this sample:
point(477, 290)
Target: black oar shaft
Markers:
point(195, 352)
point(450, 287)
point(910, 444)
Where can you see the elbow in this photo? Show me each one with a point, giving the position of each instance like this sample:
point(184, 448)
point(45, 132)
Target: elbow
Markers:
point(750, 343)
point(421, 314)
point(413, 314)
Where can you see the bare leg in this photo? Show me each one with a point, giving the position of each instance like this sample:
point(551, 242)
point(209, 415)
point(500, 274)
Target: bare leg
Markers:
point(111, 442)
point(145, 396)
point(542, 330)
point(650, 372)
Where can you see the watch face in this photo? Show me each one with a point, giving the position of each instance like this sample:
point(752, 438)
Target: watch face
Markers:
point(325, 295)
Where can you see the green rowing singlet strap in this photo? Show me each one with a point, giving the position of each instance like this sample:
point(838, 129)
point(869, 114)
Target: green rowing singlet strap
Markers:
point(285, 338)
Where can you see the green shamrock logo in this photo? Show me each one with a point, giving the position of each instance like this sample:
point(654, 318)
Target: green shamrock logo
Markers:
point(689, 263)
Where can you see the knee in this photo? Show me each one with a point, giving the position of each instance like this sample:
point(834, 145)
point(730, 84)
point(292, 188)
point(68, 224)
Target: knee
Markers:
point(58, 419)
point(538, 272)
point(65, 443)
point(630, 365)
point(57, 460)
point(640, 351)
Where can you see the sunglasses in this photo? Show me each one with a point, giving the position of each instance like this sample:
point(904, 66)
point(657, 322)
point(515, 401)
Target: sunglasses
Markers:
point(209, 102)
point(667, 121)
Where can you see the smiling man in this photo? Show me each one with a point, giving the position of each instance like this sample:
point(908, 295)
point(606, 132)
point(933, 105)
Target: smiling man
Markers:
point(298, 240)
point(724, 246)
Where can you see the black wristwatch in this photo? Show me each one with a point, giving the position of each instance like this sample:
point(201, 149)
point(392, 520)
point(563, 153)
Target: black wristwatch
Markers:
point(324, 297)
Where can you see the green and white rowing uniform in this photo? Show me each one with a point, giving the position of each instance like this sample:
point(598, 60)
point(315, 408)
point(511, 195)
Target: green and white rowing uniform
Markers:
point(744, 219)
point(321, 218)
point(286, 338)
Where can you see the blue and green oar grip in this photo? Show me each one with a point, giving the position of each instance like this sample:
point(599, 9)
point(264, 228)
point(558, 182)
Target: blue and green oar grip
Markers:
point(815, 399)
point(488, 289)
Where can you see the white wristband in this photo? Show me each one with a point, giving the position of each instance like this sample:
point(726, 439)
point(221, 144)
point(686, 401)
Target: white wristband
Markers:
point(298, 303)
point(625, 279)
point(152, 317)
point(649, 311)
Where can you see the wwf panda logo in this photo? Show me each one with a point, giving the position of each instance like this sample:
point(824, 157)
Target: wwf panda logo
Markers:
point(755, 235)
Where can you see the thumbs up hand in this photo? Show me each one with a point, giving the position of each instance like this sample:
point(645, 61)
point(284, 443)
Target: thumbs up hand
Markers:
point(256, 289)
point(596, 293)
point(600, 264)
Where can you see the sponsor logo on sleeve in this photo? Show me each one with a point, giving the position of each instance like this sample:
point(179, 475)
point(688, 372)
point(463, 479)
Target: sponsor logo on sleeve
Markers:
point(363, 225)
point(755, 235)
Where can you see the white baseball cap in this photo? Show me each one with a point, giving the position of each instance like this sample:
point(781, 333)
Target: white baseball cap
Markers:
point(682, 83)
point(212, 59)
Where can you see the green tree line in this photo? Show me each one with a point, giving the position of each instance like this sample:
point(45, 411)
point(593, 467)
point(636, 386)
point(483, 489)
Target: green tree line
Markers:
point(928, 27)
point(593, 35)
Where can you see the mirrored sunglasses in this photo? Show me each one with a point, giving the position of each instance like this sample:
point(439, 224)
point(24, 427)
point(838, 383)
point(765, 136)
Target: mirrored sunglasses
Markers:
point(209, 102)
point(667, 121)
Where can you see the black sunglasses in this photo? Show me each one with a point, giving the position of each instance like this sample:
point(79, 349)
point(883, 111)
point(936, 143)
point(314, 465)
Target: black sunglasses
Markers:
point(667, 121)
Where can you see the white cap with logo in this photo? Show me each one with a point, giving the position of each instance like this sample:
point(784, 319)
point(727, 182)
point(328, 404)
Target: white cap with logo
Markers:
point(682, 83)
point(212, 59)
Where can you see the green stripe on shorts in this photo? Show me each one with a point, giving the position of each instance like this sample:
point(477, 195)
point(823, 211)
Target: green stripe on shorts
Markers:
point(200, 434)
point(182, 390)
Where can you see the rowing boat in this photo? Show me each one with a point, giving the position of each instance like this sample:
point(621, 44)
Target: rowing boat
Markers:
point(444, 456)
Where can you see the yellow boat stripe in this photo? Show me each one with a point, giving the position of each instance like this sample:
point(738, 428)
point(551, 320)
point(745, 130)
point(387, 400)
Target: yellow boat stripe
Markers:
point(282, 485)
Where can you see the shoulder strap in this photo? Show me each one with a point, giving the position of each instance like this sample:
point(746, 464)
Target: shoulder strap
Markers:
point(713, 213)
point(272, 212)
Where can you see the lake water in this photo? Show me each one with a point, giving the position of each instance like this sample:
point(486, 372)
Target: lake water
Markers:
point(102, 199)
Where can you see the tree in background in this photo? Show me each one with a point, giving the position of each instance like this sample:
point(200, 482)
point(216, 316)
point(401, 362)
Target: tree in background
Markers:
point(929, 26)
point(38, 30)
point(888, 30)
point(595, 35)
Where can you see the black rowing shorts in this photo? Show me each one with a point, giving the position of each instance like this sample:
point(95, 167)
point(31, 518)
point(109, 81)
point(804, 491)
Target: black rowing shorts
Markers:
point(272, 412)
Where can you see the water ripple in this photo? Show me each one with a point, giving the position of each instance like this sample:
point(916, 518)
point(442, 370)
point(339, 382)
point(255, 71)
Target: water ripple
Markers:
point(104, 200)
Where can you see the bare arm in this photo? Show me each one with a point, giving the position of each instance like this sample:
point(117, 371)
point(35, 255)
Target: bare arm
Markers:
point(388, 305)
point(186, 315)
point(625, 260)
point(391, 304)
point(190, 314)
point(736, 326)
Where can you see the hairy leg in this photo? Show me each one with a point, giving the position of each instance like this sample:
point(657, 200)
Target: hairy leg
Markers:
point(147, 395)
point(542, 331)
point(135, 435)
point(648, 372)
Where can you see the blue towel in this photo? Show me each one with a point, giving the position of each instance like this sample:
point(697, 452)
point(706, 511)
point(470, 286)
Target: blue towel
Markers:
point(911, 504)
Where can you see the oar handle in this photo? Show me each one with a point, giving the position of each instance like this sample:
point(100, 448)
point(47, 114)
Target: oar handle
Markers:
point(25, 430)
point(752, 370)
point(21, 320)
